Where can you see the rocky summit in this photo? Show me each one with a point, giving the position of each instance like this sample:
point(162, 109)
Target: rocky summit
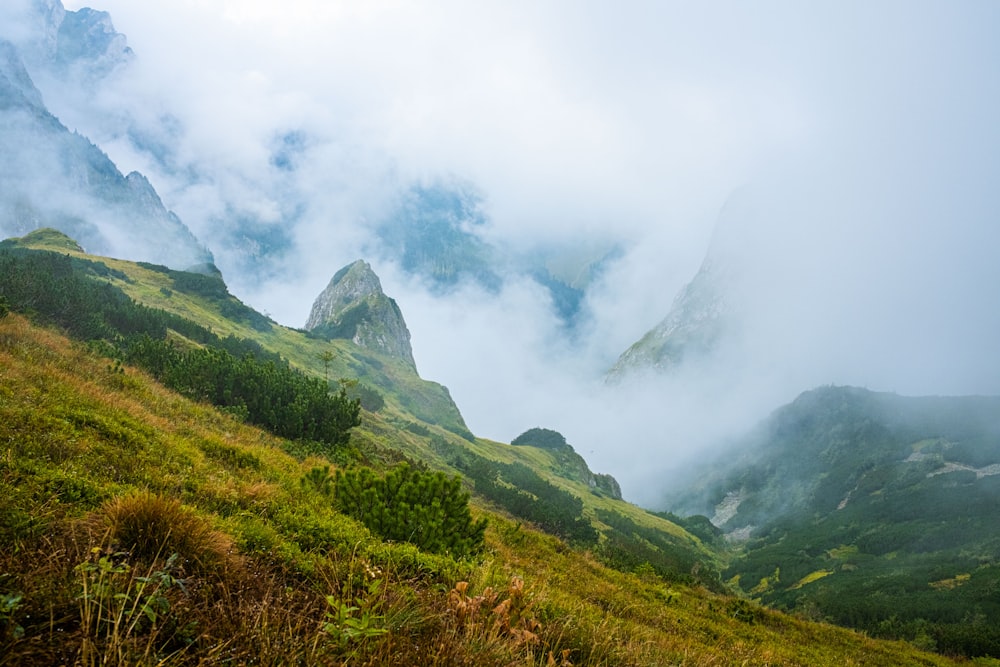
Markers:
point(353, 306)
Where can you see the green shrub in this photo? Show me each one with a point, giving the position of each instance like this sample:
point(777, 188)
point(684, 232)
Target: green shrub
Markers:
point(427, 509)
point(541, 437)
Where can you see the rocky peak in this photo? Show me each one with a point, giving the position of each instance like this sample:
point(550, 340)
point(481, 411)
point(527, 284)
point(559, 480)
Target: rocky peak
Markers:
point(351, 284)
point(142, 191)
point(87, 40)
point(706, 308)
point(75, 46)
point(353, 306)
point(16, 87)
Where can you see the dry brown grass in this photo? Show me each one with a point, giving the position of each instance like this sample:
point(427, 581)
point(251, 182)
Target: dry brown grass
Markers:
point(149, 526)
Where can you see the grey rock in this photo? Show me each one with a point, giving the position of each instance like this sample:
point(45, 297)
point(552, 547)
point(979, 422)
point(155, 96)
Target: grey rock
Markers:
point(353, 306)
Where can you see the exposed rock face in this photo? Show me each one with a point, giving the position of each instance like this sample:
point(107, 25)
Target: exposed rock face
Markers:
point(353, 306)
point(56, 178)
point(79, 47)
point(16, 87)
point(88, 44)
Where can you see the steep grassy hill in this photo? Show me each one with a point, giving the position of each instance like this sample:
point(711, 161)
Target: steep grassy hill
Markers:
point(871, 510)
point(143, 525)
point(419, 419)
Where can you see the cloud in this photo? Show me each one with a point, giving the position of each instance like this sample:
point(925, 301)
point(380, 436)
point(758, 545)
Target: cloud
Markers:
point(864, 132)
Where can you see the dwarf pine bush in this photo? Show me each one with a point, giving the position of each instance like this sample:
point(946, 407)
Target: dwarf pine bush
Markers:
point(427, 509)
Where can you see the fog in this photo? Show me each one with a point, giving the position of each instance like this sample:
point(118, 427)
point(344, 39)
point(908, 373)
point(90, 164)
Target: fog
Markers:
point(854, 145)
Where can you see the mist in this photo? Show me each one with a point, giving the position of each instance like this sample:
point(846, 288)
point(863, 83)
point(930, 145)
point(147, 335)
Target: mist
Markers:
point(847, 153)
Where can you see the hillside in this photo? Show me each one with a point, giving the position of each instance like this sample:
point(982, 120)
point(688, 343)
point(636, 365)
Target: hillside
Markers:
point(143, 527)
point(871, 510)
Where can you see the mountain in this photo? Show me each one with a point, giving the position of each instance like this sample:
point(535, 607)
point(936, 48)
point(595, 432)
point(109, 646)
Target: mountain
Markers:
point(56, 178)
point(353, 306)
point(569, 464)
point(691, 331)
point(175, 466)
point(706, 310)
point(872, 510)
point(439, 232)
point(434, 231)
point(78, 47)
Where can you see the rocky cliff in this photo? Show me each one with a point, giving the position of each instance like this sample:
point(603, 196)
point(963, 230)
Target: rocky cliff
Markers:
point(706, 309)
point(353, 306)
point(53, 177)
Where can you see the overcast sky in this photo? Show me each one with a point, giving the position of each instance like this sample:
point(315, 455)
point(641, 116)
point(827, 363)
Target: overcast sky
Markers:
point(866, 134)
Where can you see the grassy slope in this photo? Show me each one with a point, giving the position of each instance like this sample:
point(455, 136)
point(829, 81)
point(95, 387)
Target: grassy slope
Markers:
point(404, 391)
point(75, 434)
point(409, 399)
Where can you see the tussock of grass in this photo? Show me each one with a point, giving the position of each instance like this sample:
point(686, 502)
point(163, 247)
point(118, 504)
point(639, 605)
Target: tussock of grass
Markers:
point(148, 526)
point(105, 475)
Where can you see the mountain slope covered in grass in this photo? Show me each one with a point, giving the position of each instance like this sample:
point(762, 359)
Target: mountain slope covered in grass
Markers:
point(144, 526)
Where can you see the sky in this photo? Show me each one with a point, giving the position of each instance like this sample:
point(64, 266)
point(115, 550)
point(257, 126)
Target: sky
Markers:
point(860, 138)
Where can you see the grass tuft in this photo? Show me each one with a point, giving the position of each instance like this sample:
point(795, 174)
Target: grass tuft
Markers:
point(149, 526)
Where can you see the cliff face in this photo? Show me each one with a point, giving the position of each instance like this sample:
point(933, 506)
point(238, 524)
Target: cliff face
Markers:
point(56, 178)
point(353, 306)
point(697, 318)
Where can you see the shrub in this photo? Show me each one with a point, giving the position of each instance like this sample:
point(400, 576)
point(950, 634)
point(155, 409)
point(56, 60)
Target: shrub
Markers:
point(541, 437)
point(427, 509)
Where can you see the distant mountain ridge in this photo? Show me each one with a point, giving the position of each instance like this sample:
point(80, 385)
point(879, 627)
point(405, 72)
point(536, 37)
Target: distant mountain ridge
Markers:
point(53, 177)
point(857, 505)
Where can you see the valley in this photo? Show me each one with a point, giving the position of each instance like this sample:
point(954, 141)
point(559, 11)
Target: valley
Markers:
point(728, 277)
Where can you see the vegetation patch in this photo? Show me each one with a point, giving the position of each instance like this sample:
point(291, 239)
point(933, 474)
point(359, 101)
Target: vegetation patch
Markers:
point(811, 577)
point(427, 509)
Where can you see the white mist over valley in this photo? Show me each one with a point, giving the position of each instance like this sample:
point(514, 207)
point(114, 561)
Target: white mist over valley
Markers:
point(836, 164)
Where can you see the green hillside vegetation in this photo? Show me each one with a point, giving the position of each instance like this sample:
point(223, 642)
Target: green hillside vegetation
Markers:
point(142, 524)
point(153, 286)
point(873, 511)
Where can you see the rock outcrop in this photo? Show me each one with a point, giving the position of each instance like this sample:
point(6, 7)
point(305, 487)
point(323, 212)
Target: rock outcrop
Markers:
point(706, 309)
point(353, 306)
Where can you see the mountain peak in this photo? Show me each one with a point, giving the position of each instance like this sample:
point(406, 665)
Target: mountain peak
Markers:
point(351, 284)
point(353, 306)
point(707, 308)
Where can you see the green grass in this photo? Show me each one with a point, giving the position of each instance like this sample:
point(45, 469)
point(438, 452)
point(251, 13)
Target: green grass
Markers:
point(268, 572)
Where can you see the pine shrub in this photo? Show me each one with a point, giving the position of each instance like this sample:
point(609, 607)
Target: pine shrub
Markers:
point(427, 509)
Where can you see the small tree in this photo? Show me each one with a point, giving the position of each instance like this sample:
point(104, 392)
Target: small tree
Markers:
point(428, 509)
point(326, 356)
